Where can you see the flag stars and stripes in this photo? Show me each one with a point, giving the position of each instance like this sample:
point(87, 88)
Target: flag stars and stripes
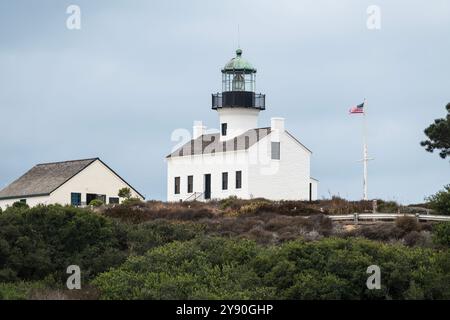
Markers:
point(357, 109)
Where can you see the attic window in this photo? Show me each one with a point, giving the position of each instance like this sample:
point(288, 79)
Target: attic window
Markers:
point(275, 150)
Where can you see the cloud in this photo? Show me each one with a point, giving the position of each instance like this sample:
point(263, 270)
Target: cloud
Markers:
point(138, 70)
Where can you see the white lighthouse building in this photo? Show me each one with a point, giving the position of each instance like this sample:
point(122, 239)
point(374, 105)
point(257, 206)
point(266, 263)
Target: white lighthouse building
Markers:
point(242, 159)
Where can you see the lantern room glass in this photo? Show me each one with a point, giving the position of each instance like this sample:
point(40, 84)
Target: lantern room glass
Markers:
point(238, 81)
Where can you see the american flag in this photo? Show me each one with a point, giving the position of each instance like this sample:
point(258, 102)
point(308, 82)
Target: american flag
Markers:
point(357, 109)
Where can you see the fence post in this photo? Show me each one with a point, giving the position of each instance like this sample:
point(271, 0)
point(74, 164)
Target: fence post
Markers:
point(417, 217)
point(355, 217)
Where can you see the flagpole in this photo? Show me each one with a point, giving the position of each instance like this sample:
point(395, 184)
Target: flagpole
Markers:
point(365, 151)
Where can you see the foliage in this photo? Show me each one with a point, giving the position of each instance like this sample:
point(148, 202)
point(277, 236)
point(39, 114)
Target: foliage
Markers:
point(96, 203)
point(131, 201)
point(387, 206)
point(44, 240)
point(174, 252)
point(218, 268)
point(145, 236)
point(138, 212)
point(438, 135)
point(441, 201)
point(20, 205)
point(407, 224)
point(124, 193)
point(19, 290)
point(441, 234)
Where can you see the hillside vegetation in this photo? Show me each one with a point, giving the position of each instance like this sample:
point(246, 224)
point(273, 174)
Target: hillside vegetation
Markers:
point(232, 249)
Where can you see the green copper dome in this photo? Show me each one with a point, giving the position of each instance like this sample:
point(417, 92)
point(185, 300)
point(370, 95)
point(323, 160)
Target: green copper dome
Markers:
point(238, 64)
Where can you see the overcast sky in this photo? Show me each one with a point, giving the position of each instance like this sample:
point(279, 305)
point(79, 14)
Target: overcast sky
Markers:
point(137, 70)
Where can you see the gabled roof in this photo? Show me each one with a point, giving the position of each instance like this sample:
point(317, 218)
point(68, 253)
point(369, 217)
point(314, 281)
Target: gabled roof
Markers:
point(43, 179)
point(210, 143)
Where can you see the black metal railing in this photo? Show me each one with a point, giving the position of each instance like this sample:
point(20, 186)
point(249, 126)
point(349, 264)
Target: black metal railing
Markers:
point(239, 99)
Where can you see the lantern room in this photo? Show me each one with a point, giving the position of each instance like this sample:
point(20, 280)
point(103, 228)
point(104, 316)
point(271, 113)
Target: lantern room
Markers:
point(238, 75)
point(238, 86)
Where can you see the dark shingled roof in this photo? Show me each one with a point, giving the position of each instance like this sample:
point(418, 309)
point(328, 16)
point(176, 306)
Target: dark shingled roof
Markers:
point(210, 143)
point(44, 178)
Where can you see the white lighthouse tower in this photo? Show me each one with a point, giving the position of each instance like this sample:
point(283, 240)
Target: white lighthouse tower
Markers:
point(238, 105)
point(242, 159)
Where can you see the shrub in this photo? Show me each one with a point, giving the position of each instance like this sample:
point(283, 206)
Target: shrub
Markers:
point(131, 201)
point(143, 237)
point(387, 206)
point(20, 205)
point(441, 234)
point(413, 238)
point(44, 240)
point(96, 203)
point(138, 212)
point(379, 231)
point(407, 224)
point(124, 193)
point(19, 290)
point(218, 268)
point(441, 201)
point(230, 202)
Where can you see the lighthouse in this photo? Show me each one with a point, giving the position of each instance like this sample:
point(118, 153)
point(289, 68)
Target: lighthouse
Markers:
point(238, 105)
point(241, 158)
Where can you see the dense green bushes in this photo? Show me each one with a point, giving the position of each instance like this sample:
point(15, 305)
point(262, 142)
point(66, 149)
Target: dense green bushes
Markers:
point(216, 268)
point(441, 234)
point(179, 259)
point(43, 241)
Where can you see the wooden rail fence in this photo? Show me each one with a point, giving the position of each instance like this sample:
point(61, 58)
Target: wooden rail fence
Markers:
point(356, 217)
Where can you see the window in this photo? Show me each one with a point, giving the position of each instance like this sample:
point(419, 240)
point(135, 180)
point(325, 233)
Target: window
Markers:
point(177, 185)
point(276, 150)
point(75, 199)
point(92, 196)
point(238, 179)
point(224, 180)
point(113, 200)
point(190, 186)
point(224, 129)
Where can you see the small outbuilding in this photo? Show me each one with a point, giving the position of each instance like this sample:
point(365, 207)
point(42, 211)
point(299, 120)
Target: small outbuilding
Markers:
point(75, 182)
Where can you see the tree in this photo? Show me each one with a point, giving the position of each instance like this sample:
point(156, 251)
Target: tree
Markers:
point(438, 135)
point(125, 193)
point(441, 201)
